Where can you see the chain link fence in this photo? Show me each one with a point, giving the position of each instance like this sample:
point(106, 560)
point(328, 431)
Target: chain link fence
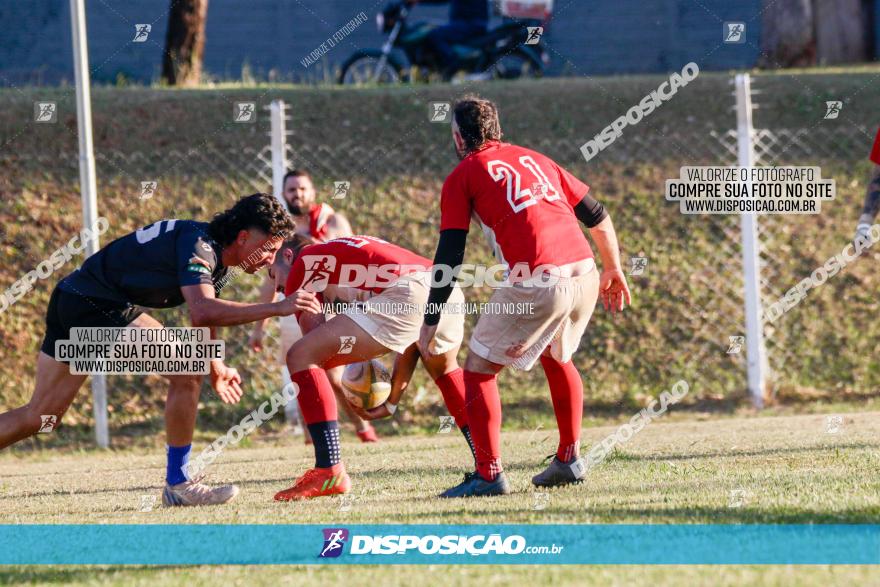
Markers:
point(685, 271)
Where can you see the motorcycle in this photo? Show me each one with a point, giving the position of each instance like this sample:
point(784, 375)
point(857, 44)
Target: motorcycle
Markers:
point(512, 50)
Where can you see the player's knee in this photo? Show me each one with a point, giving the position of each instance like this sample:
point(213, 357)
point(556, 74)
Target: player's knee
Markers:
point(477, 364)
point(301, 357)
point(297, 358)
point(439, 365)
point(185, 384)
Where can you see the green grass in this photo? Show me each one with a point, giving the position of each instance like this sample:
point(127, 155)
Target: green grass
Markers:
point(484, 576)
point(676, 470)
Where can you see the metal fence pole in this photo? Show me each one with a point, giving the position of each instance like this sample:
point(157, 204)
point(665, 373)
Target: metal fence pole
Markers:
point(87, 182)
point(277, 117)
point(751, 262)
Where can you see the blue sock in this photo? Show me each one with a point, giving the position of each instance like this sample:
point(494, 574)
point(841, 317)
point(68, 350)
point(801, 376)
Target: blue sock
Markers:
point(178, 456)
point(325, 435)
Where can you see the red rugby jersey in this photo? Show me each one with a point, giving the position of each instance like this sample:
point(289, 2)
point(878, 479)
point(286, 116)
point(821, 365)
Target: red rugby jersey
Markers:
point(524, 202)
point(875, 152)
point(318, 217)
point(346, 259)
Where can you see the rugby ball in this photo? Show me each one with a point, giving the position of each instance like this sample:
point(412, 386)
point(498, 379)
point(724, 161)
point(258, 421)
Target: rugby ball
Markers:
point(366, 384)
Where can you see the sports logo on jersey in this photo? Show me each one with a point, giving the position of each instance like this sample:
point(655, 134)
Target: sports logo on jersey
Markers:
point(198, 265)
point(334, 541)
point(318, 271)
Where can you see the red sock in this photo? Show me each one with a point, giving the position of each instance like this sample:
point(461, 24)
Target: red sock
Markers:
point(567, 391)
point(484, 421)
point(316, 400)
point(452, 387)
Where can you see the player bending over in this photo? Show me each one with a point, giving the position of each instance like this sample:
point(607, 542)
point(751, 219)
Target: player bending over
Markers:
point(162, 265)
point(529, 208)
point(386, 319)
point(872, 195)
point(317, 222)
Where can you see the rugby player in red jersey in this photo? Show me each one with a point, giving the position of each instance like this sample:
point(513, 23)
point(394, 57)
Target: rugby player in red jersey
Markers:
point(872, 195)
point(528, 207)
point(318, 222)
point(392, 285)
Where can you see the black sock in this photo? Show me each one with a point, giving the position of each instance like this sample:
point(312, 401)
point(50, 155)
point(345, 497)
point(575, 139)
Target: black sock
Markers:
point(325, 435)
point(466, 432)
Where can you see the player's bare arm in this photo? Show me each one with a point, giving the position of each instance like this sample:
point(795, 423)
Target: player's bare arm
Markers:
point(404, 367)
point(267, 295)
point(338, 226)
point(872, 205)
point(309, 322)
point(207, 310)
point(613, 288)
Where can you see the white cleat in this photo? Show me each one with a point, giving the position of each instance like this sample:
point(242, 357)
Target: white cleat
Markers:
point(194, 493)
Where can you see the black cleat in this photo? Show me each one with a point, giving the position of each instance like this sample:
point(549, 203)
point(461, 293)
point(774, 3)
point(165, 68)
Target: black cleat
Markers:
point(560, 473)
point(474, 485)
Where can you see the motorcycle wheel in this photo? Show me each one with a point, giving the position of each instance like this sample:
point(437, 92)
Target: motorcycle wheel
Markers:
point(517, 64)
point(361, 68)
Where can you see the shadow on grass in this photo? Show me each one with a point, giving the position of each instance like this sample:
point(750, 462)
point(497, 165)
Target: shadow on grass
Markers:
point(684, 515)
point(32, 574)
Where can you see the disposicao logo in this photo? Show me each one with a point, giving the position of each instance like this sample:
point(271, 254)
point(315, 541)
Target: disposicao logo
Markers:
point(334, 541)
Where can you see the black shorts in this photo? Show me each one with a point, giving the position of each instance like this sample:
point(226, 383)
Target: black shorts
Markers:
point(69, 310)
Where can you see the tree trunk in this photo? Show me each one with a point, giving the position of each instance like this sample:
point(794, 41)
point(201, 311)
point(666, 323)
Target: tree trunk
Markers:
point(185, 42)
point(842, 32)
point(788, 37)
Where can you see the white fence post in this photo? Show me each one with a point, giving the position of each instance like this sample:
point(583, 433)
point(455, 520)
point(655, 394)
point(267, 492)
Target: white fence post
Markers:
point(278, 134)
point(87, 183)
point(757, 360)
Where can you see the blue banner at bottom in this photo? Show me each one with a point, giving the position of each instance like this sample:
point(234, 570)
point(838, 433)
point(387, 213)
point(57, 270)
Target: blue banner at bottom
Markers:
point(439, 544)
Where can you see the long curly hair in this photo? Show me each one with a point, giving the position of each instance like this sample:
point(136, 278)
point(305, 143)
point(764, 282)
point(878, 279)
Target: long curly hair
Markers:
point(477, 121)
point(260, 211)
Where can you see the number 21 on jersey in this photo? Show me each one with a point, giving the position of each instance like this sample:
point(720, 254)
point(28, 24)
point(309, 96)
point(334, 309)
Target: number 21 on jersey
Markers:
point(518, 197)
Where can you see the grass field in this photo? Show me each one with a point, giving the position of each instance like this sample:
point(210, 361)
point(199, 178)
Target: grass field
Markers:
point(784, 469)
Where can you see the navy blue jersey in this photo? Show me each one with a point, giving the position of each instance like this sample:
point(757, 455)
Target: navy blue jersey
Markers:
point(149, 266)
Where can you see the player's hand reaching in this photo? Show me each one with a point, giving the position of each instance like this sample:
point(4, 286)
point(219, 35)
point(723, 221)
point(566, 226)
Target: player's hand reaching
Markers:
point(426, 336)
point(376, 413)
point(614, 291)
point(255, 341)
point(299, 301)
point(226, 382)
